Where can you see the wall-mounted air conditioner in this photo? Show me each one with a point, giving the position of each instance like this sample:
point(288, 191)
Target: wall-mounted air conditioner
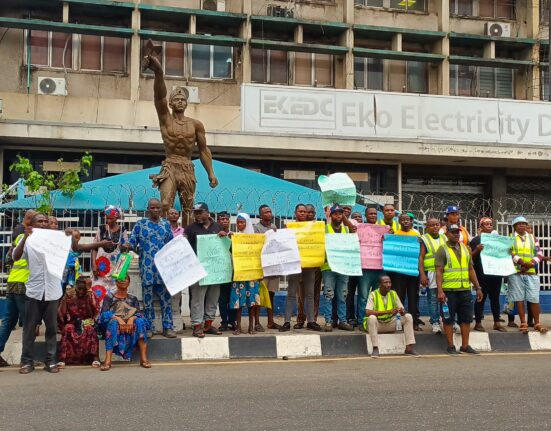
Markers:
point(52, 86)
point(214, 5)
point(497, 29)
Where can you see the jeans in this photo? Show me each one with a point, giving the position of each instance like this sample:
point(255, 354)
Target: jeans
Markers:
point(491, 287)
point(35, 312)
point(368, 281)
point(308, 277)
point(334, 285)
point(353, 283)
point(227, 315)
point(15, 310)
point(204, 302)
point(165, 300)
point(434, 308)
point(301, 316)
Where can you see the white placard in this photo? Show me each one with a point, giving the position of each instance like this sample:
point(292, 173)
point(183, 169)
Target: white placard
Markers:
point(280, 253)
point(178, 265)
point(54, 245)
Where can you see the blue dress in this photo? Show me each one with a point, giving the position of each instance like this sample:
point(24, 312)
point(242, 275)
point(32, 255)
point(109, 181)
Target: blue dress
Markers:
point(244, 294)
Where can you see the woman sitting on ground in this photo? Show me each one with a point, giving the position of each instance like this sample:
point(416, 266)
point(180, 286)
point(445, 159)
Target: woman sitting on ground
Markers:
point(76, 315)
point(123, 325)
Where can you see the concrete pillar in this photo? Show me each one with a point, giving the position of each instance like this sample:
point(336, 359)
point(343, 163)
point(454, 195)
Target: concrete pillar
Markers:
point(397, 42)
point(65, 12)
point(345, 69)
point(135, 57)
point(348, 12)
point(192, 24)
point(489, 49)
point(246, 67)
point(499, 191)
point(444, 67)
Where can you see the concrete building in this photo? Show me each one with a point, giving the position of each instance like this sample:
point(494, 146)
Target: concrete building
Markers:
point(404, 60)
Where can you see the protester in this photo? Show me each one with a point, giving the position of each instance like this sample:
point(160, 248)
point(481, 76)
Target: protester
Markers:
point(454, 273)
point(453, 217)
point(149, 236)
point(382, 309)
point(204, 299)
point(272, 283)
point(227, 314)
point(389, 219)
point(524, 285)
point(105, 258)
point(15, 289)
point(357, 217)
point(407, 285)
point(173, 216)
point(20, 228)
point(308, 276)
point(77, 313)
point(124, 326)
point(491, 284)
point(335, 285)
point(53, 223)
point(431, 242)
point(347, 210)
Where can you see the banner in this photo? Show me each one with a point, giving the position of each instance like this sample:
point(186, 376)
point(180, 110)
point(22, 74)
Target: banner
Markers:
point(213, 252)
point(246, 249)
point(371, 244)
point(54, 246)
point(343, 253)
point(401, 254)
point(280, 254)
point(178, 265)
point(337, 188)
point(496, 257)
point(311, 242)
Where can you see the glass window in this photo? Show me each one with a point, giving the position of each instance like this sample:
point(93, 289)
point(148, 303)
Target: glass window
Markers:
point(51, 49)
point(417, 77)
point(323, 70)
point(397, 76)
point(486, 8)
point(544, 83)
point(209, 61)
point(462, 80)
point(374, 73)
point(174, 59)
point(465, 7)
point(114, 55)
point(504, 83)
point(39, 48)
point(222, 62)
point(200, 61)
point(278, 67)
point(62, 43)
point(303, 68)
point(90, 52)
point(505, 9)
point(359, 72)
point(259, 60)
point(486, 81)
point(417, 5)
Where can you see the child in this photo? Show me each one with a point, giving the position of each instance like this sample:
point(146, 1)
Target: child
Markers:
point(245, 293)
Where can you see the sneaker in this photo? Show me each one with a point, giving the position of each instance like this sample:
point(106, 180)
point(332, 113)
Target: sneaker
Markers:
point(345, 326)
point(353, 322)
point(169, 333)
point(436, 329)
point(328, 327)
point(469, 350)
point(285, 327)
point(313, 326)
point(451, 350)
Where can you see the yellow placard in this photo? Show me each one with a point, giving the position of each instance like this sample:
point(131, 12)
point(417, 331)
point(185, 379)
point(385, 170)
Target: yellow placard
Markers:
point(311, 242)
point(246, 249)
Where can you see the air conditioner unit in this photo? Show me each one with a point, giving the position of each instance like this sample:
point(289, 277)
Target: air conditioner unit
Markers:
point(279, 11)
point(52, 86)
point(193, 93)
point(497, 29)
point(214, 5)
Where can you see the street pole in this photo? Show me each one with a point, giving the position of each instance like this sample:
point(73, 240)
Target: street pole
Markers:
point(549, 52)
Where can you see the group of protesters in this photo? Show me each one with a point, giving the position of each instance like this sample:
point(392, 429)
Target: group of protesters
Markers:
point(85, 308)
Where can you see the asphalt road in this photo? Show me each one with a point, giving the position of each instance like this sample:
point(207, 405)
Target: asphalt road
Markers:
point(490, 392)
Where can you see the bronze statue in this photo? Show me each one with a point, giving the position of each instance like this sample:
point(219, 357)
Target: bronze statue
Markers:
point(180, 133)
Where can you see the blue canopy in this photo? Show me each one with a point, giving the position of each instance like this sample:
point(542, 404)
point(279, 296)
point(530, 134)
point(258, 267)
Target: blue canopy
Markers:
point(240, 190)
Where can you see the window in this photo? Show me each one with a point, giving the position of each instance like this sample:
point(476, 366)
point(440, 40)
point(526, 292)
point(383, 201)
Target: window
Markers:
point(504, 9)
point(172, 58)
point(368, 73)
point(407, 76)
point(481, 81)
point(51, 49)
point(313, 69)
point(408, 5)
point(211, 62)
point(461, 7)
point(462, 80)
point(269, 66)
point(544, 83)
point(372, 3)
point(102, 53)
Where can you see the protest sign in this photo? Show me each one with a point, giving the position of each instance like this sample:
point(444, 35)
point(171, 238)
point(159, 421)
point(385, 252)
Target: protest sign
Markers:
point(337, 188)
point(246, 249)
point(54, 246)
point(311, 242)
point(280, 254)
point(343, 253)
point(214, 254)
point(496, 256)
point(401, 254)
point(371, 244)
point(178, 265)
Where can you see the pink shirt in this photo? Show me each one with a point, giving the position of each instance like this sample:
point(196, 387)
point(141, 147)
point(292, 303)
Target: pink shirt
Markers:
point(178, 231)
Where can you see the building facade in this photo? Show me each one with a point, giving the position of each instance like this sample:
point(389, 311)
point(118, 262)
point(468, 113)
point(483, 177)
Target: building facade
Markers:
point(72, 81)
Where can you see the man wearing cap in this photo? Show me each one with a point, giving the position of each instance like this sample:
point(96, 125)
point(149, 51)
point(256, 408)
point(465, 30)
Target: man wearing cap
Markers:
point(452, 217)
point(148, 237)
point(525, 284)
point(335, 285)
point(204, 299)
point(454, 275)
point(389, 219)
point(491, 284)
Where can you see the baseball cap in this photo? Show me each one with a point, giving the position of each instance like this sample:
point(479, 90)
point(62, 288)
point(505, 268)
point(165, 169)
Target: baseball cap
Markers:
point(336, 208)
point(452, 209)
point(453, 227)
point(519, 219)
point(200, 206)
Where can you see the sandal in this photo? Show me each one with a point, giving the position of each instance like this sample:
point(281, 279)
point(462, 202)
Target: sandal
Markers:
point(145, 364)
point(259, 328)
point(512, 325)
point(237, 332)
point(105, 367)
point(26, 369)
point(523, 328)
point(500, 328)
point(274, 326)
point(61, 365)
point(96, 364)
point(540, 328)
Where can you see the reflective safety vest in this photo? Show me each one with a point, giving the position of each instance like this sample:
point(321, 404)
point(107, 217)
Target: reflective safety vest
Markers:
point(456, 272)
point(432, 245)
point(395, 225)
point(329, 229)
point(526, 249)
point(20, 270)
point(379, 305)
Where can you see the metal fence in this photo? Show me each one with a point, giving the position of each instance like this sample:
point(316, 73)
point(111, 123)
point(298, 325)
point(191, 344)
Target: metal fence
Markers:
point(423, 206)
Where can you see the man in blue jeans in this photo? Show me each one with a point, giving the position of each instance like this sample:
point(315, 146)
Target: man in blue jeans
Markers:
point(335, 284)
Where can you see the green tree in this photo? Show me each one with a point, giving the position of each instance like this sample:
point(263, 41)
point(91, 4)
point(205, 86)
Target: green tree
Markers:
point(67, 181)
